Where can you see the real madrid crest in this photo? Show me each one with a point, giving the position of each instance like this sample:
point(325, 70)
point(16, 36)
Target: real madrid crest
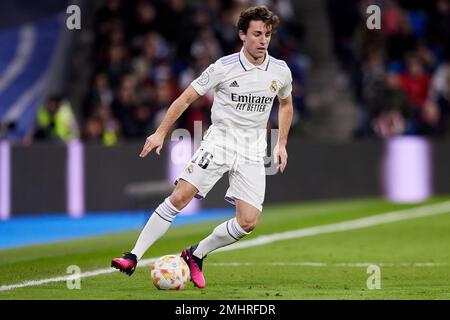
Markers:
point(273, 87)
point(204, 79)
point(190, 168)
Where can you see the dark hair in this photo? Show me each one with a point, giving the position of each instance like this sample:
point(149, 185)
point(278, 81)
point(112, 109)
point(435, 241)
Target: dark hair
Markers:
point(259, 13)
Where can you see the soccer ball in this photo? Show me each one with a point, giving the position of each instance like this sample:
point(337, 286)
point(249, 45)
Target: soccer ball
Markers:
point(170, 273)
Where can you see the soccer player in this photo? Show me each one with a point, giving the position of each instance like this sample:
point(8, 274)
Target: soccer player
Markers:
point(245, 84)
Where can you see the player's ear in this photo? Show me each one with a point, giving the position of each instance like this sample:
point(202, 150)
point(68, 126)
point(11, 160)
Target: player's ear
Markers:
point(242, 35)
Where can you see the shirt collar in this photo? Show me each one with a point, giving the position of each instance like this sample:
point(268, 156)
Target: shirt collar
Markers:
point(247, 65)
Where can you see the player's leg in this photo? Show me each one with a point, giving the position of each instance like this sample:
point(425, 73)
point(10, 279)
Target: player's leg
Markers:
point(247, 215)
point(158, 224)
point(163, 216)
point(199, 176)
point(246, 192)
point(230, 231)
point(223, 235)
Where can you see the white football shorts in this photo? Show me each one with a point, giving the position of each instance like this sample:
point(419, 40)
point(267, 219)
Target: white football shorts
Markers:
point(247, 178)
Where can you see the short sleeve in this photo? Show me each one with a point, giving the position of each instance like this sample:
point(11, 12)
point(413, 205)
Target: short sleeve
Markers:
point(286, 89)
point(208, 80)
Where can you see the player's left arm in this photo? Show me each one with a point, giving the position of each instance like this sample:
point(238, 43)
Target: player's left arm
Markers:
point(285, 112)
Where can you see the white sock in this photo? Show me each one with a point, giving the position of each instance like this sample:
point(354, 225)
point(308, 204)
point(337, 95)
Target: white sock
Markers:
point(156, 227)
point(224, 234)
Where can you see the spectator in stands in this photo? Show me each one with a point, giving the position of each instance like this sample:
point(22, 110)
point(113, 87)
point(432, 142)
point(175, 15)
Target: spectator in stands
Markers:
point(415, 82)
point(426, 57)
point(443, 102)
point(164, 97)
point(439, 98)
point(438, 30)
point(118, 64)
point(206, 46)
point(177, 25)
point(391, 18)
point(124, 104)
point(438, 84)
point(142, 122)
point(146, 21)
point(389, 110)
point(344, 17)
point(154, 50)
point(402, 41)
point(415, 39)
point(101, 127)
point(199, 112)
point(110, 16)
point(101, 93)
point(56, 121)
point(93, 130)
point(372, 82)
point(225, 30)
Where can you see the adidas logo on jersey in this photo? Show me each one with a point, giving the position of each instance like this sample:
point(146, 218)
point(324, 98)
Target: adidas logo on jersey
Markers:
point(234, 84)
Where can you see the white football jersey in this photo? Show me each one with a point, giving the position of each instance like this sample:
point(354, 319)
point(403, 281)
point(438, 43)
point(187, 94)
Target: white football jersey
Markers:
point(243, 98)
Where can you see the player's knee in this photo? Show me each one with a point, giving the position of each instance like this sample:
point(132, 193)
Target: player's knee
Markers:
point(249, 227)
point(248, 224)
point(179, 200)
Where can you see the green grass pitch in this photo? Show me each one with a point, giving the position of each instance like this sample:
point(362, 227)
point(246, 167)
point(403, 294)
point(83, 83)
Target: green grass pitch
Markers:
point(413, 255)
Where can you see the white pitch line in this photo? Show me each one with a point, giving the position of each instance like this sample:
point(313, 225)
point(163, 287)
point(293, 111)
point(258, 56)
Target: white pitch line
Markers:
point(384, 218)
point(324, 264)
point(388, 217)
point(142, 263)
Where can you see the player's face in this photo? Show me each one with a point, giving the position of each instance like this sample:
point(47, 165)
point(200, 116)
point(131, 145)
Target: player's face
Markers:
point(256, 40)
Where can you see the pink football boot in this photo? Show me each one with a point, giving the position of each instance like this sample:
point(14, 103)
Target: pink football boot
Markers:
point(126, 264)
point(195, 266)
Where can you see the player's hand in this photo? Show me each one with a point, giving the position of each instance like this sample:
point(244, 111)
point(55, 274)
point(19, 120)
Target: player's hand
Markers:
point(280, 155)
point(155, 141)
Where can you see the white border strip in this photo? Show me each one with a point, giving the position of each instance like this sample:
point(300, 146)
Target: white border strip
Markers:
point(75, 179)
point(5, 180)
point(384, 218)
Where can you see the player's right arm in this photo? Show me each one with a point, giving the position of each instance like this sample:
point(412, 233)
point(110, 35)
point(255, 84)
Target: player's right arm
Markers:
point(209, 79)
point(156, 140)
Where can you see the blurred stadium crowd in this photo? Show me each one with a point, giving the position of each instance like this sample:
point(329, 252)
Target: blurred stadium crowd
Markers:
point(146, 52)
point(400, 75)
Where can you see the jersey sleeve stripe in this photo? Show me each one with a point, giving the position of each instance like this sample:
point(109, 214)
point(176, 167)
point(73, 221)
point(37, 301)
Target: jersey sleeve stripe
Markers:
point(279, 62)
point(230, 57)
point(230, 62)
